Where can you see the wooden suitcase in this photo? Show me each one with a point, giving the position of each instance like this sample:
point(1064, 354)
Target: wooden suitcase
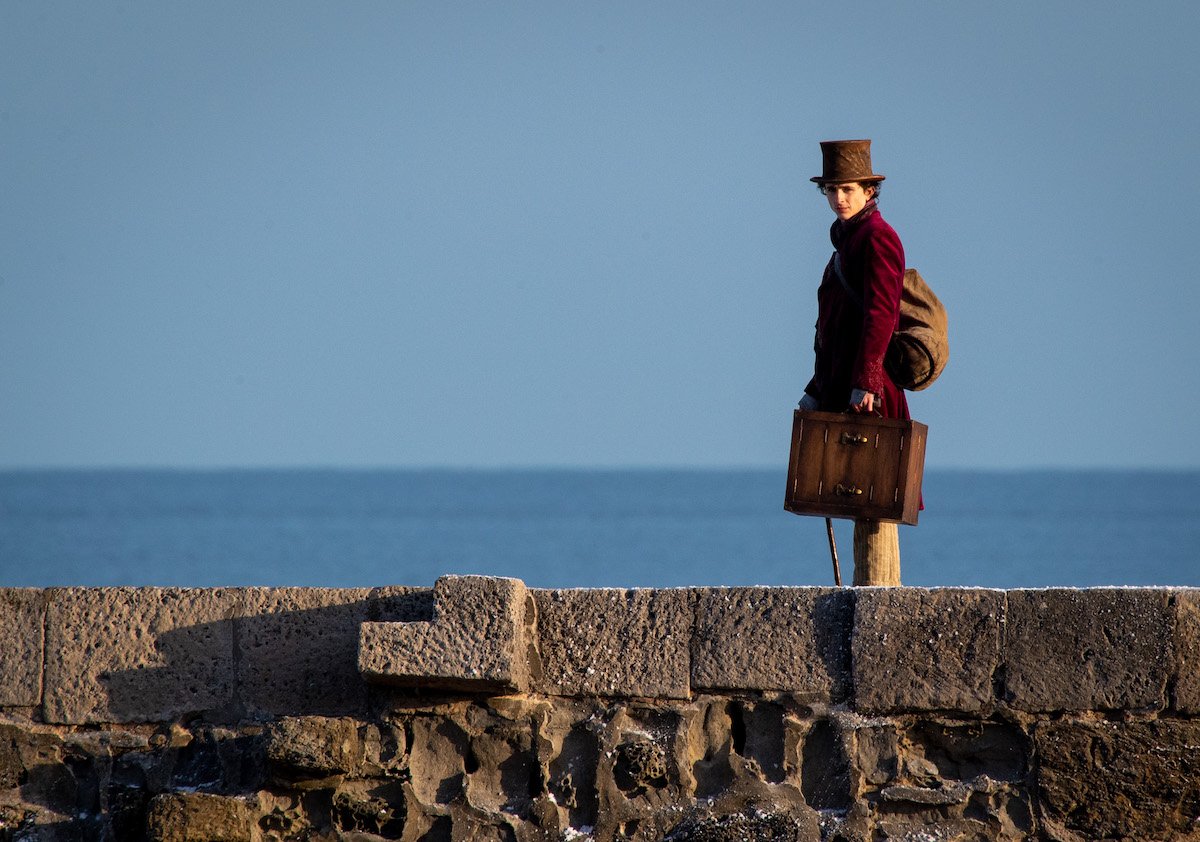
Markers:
point(855, 466)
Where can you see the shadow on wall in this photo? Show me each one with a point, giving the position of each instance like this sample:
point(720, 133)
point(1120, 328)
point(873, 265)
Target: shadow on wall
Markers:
point(155, 655)
point(192, 661)
point(84, 785)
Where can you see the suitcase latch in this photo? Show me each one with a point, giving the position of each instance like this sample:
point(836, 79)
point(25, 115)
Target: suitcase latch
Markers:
point(847, 490)
point(853, 438)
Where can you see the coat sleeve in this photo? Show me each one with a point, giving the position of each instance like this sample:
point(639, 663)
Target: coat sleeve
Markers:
point(883, 283)
point(815, 386)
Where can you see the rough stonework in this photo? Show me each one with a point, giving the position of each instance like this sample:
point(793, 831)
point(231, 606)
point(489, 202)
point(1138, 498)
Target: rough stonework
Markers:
point(138, 654)
point(197, 817)
point(926, 650)
point(690, 715)
point(1118, 780)
point(479, 638)
point(1093, 649)
point(22, 613)
point(312, 749)
point(792, 639)
point(297, 648)
point(587, 638)
point(1186, 698)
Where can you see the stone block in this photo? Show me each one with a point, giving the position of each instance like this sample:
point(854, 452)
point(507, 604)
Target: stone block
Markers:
point(31, 758)
point(22, 612)
point(311, 749)
point(1093, 649)
point(480, 639)
point(138, 654)
point(791, 639)
point(297, 648)
point(917, 649)
point(1110, 780)
point(770, 822)
point(199, 817)
point(1186, 669)
point(609, 642)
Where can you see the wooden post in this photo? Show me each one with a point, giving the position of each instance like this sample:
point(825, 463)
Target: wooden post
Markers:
point(876, 553)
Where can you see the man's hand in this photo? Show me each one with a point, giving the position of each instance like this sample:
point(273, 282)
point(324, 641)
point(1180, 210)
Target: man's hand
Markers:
point(808, 402)
point(862, 401)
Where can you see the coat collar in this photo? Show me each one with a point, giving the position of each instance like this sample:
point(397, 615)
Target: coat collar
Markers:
point(841, 229)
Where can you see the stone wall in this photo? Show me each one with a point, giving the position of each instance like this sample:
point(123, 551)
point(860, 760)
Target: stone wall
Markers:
point(482, 710)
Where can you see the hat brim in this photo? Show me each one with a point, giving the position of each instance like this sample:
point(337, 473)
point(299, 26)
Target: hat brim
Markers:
point(816, 179)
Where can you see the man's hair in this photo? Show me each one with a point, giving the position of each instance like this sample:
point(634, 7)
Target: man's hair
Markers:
point(865, 185)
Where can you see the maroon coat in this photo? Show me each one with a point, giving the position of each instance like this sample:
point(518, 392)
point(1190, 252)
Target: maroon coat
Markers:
point(851, 340)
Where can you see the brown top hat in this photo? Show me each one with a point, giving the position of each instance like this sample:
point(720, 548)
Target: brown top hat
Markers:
point(845, 160)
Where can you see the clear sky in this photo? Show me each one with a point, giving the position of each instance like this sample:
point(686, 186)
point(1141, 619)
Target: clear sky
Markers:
point(518, 233)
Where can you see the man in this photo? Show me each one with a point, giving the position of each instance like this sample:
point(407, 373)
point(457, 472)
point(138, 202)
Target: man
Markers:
point(858, 311)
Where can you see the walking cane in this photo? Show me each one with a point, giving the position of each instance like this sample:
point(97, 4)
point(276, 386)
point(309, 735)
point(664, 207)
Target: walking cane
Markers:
point(837, 571)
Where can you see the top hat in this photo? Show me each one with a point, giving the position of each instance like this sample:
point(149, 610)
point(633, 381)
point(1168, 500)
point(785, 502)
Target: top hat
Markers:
point(845, 160)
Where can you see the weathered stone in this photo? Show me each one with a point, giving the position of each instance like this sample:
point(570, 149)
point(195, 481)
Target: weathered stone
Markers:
point(312, 748)
point(1108, 780)
point(198, 817)
point(764, 732)
point(437, 760)
point(44, 793)
point(705, 758)
point(948, 830)
point(845, 756)
point(32, 759)
point(385, 750)
point(22, 611)
point(40, 825)
point(138, 654)
point(954, 750)
point(501, 769)
point(571, 735)
point(639, 765)
point(759, 823)
point(609, 642)
point(1186, 669)
point(479, 640)
point(929, 778)
point(360, 817)
point(11, 768)
point(282, 817)
point(791, 639)
point(926, 650)
point(956, 793)
point(736, 762)
point(297, 648)
point(1094, 649)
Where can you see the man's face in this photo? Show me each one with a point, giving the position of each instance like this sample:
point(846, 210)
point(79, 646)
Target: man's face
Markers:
point(846, 199)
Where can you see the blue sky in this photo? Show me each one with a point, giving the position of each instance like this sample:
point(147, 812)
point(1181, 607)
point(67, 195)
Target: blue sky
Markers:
point(493, 234)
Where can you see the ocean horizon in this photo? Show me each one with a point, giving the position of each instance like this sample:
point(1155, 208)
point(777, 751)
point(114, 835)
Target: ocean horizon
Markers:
point(575, 527)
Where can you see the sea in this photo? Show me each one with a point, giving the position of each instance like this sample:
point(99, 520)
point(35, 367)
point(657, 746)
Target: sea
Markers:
point(559, 528)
